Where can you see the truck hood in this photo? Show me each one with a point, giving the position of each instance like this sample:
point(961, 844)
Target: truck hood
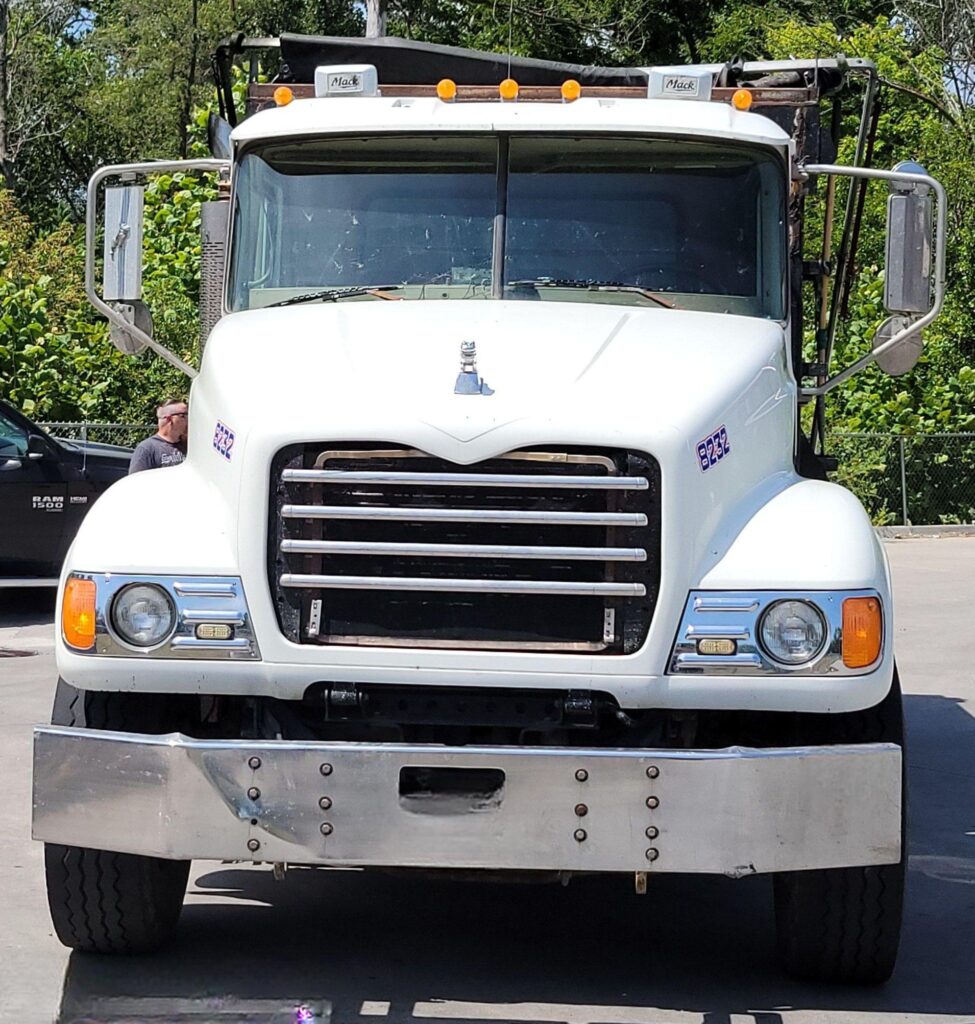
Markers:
point(387, 370)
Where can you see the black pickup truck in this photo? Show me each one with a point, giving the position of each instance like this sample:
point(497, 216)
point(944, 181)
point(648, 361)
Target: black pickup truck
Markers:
point(46, 487)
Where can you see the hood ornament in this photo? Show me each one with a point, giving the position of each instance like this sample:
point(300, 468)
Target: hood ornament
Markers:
point(468, 382)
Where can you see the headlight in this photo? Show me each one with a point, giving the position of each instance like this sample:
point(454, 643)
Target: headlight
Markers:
point(143, 615)
point(792, 632)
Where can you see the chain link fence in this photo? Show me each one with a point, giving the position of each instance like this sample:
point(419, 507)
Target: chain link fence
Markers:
point(128, 435)
point(921, 479)
point(902, 480)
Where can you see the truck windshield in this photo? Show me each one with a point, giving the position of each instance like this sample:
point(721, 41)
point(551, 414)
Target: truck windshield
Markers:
point(700, 223)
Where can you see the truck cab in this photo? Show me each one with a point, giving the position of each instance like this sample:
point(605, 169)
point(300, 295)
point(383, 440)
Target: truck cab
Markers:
point(509, 548)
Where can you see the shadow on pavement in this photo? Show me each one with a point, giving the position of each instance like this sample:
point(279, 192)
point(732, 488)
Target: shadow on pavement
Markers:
point(346, 944)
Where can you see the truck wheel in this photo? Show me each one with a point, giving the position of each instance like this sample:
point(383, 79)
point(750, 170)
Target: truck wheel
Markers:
point(101, 901)
point(844, 924)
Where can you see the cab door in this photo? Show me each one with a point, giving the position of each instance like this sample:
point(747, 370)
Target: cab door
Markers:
point(33, 499)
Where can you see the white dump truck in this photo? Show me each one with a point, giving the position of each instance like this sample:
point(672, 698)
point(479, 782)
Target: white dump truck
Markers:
point(504, 541)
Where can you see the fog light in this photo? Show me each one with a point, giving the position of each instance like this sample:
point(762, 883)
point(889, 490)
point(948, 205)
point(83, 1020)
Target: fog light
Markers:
point(214, 631)
point(715, 646)
point(792, 632)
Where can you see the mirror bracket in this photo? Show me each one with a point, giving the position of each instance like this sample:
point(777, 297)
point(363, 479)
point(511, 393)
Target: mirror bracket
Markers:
point(904, 178)
point(128, 173)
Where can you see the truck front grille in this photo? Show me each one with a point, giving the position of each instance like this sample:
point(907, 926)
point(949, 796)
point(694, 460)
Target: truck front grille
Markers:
point(548, 550)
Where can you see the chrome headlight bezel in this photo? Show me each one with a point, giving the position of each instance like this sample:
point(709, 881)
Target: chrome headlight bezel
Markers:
point(736, 616)
point(195, 601)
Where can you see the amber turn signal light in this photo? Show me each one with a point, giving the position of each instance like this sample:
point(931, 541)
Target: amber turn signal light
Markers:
point(862, 631)
point(742, 99)
point(78, 614)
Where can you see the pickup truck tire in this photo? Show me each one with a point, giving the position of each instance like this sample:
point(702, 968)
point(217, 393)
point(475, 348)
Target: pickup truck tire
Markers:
point(102, 901)
point(843, 924)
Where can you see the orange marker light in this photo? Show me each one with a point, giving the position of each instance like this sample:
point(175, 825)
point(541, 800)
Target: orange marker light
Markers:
point(571, 90)
point(78, 614)
point(283, 95)
point(742, 99)
point(447, 89)
point(862, 631)
point(508, 89)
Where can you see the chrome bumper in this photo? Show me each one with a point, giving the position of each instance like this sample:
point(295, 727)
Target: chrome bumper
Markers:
point(735, 811)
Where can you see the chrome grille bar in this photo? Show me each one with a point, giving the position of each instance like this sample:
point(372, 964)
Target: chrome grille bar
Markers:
point(359, 547)
point(470, 515)
point(587, 483)
point(480, 586)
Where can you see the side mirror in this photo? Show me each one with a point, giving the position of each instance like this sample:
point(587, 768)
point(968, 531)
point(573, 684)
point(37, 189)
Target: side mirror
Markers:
point(904, 355)
point(218, 136)
point(907, 284)
point(123, 244)
point(37, 447)
point(137, 313)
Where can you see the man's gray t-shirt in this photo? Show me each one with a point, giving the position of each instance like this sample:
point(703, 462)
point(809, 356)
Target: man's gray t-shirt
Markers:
point(154, 452)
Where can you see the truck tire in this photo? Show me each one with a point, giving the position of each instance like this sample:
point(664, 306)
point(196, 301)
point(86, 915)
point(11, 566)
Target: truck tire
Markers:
point(843, 924)
point(102, 901)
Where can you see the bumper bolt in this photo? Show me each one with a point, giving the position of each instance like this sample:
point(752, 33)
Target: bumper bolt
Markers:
point(581, 810)
point(581, 775)
point(254, 793)
point(326, 828)
point(253, 845)
point(254, 762)
point(653, 802)
point(653, 853)
point(652, 832)
point(325, 803)
point(579, 835)
point(653, 771)
point(326, 769)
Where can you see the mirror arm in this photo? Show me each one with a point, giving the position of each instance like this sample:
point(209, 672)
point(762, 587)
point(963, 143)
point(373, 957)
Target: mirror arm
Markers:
point(91, 229)
point(939, 263)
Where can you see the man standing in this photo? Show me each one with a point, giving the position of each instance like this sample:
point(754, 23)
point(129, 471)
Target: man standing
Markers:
point(167, 447)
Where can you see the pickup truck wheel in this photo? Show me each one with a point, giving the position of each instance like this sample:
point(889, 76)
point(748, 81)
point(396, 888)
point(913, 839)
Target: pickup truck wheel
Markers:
point(843, 924)
point(102, 901)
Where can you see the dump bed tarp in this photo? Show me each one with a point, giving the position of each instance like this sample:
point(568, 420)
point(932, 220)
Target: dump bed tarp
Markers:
point(407, 62)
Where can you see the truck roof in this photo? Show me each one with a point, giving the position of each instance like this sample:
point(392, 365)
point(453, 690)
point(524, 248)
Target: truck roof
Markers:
point(587, 114)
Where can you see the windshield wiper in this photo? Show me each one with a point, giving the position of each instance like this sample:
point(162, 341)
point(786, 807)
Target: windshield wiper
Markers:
point(334, 294)
point(593, 286)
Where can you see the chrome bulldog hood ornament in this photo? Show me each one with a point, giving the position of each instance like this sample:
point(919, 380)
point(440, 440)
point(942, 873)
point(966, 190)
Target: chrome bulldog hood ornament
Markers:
point(468, 382)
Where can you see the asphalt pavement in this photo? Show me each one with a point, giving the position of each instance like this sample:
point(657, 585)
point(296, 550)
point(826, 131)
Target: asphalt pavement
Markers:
point(354, 947)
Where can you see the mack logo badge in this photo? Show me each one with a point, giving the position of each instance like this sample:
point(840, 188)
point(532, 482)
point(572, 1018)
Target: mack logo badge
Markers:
point(713, 449)
point(345, 83)
point(47, 502)
point(681, 85)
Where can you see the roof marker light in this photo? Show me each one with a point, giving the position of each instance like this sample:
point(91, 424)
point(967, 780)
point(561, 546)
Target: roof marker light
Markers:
point(571, 90)
point(447, 89)
point(508, 89)
point(742, 99)
point(283, 96)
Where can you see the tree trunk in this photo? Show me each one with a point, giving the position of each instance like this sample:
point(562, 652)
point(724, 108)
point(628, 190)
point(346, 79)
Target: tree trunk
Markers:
point(375, 18)
point(5, 161)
